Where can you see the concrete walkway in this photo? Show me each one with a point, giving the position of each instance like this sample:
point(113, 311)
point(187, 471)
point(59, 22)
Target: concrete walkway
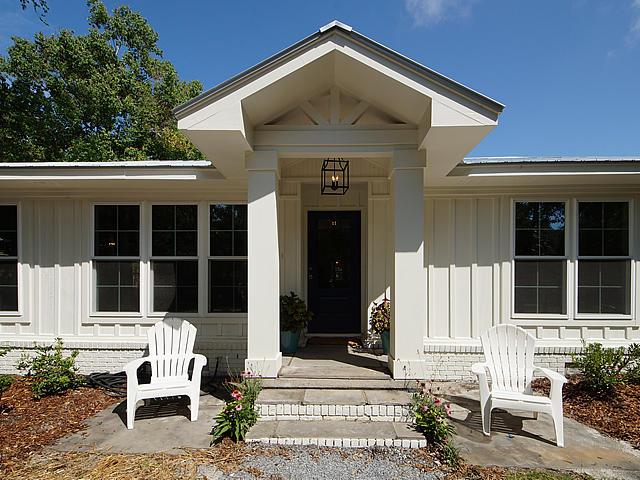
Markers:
point(161, 426)
point(516, 440)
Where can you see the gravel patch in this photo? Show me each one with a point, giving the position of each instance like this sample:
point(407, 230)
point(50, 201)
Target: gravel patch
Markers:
point(318, 463)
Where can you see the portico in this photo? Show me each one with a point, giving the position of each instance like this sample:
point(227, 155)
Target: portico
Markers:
point(338, 94)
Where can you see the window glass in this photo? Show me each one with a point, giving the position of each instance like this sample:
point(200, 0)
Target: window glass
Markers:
point(175, 286)
point(603, 229)
point(117, 231)
point(540, 228)
point(117, 286)
point(175, 234)
point(117, 234)
point(175, 230)
point(604, 283)
point(8, 258)
point(540, 286)
point(228, 286)
point(540, 283)
point(228, 271)
point(228, 236)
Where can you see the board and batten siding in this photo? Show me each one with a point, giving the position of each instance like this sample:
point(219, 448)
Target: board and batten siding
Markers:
point(469, 267)
point(55, 245)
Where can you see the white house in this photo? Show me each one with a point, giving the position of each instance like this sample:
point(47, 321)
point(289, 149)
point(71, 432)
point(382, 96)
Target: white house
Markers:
point(95, 253)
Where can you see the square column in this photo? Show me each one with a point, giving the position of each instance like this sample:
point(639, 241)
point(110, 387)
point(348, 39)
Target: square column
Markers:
point(409, 281)
point(263, 328)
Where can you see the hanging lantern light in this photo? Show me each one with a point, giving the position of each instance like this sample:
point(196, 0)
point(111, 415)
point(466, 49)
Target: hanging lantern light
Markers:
point(335, 176)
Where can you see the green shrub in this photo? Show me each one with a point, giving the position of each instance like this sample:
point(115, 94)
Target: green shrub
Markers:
point(5, 382)
point(431, 418)
point(294, 315)
point(603, 368)
point(239, 414)
point(51, 372)
point(381, 316)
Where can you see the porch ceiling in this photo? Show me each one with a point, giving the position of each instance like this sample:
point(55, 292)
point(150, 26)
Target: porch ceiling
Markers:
point(435, 113)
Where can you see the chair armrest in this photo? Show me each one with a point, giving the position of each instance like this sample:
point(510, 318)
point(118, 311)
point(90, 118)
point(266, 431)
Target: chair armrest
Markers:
point(199, 361)
point(551, 374)
point(557, 381)
point(479, 369)
point(132, 367)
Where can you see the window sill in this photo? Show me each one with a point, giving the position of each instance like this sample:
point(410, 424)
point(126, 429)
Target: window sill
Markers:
point(603, 316)
point(115, 314)
point(539, 316)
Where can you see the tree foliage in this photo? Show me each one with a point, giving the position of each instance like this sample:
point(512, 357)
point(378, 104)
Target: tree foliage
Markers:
point(106, 95)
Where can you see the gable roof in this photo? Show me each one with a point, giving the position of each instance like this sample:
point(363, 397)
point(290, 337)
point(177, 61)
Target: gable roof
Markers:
point(339, 28)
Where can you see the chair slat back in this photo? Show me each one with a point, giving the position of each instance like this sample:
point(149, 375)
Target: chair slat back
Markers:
point(171, 340)
point(509, 351)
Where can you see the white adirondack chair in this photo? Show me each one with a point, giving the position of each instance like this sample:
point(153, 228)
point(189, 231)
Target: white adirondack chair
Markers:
point(508, 352)
point(170, 353)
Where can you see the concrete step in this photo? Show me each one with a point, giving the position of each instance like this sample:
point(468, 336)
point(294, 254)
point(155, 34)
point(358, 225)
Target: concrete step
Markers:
point(358, 434)
point(338, 383)
point(333, 404)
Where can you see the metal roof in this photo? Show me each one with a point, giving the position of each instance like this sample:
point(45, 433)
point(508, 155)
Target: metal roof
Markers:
point(545, 160)
point(114, 164)
point(337, 27)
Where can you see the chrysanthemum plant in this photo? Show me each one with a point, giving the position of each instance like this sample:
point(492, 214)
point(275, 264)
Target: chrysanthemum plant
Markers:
point(239, 413)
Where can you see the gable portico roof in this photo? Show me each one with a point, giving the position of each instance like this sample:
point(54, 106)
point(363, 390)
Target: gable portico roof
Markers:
point(340, 28)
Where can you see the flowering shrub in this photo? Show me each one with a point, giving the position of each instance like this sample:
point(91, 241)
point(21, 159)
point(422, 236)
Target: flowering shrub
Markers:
point(431, 416)
point(381, 316)
point(239, 413)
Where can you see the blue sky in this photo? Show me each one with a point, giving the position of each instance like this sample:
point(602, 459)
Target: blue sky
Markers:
point(568, 70)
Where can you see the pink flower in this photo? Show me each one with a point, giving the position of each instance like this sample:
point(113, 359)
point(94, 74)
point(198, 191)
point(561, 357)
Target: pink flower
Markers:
point(247, 374)
point(238, 407)
point(236, 394)
point(425, 408)
point(447, 408)
point(437, 402)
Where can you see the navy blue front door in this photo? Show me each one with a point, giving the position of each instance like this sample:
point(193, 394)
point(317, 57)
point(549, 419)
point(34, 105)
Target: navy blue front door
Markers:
point(334, 271)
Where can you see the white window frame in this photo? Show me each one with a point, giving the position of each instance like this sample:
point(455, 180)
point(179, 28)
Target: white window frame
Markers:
point(566, 257)
point(218, 257)
point(629, 257)
point(152, 258)
point(93, 312)
point(18, 258)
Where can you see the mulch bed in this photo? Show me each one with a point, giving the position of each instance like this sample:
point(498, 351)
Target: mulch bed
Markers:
point(616, 417)
point(27, 425)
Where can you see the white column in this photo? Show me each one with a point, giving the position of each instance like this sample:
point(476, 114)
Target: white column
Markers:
point(409, 282)
point(263, 329)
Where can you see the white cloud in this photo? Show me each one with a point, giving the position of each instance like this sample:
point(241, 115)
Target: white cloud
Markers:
point(429, 12)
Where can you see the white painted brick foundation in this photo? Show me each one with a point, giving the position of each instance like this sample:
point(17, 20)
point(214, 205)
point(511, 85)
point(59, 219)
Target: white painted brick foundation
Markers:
point(454, 366)
point(101, 357)
point(445, 364)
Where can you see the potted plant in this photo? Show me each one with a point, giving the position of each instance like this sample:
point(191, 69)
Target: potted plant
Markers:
point(381, 322)
point(294, 317)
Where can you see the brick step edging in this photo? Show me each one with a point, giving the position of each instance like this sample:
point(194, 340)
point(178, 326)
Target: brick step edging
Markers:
point(375, 413)
point(342, 442)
